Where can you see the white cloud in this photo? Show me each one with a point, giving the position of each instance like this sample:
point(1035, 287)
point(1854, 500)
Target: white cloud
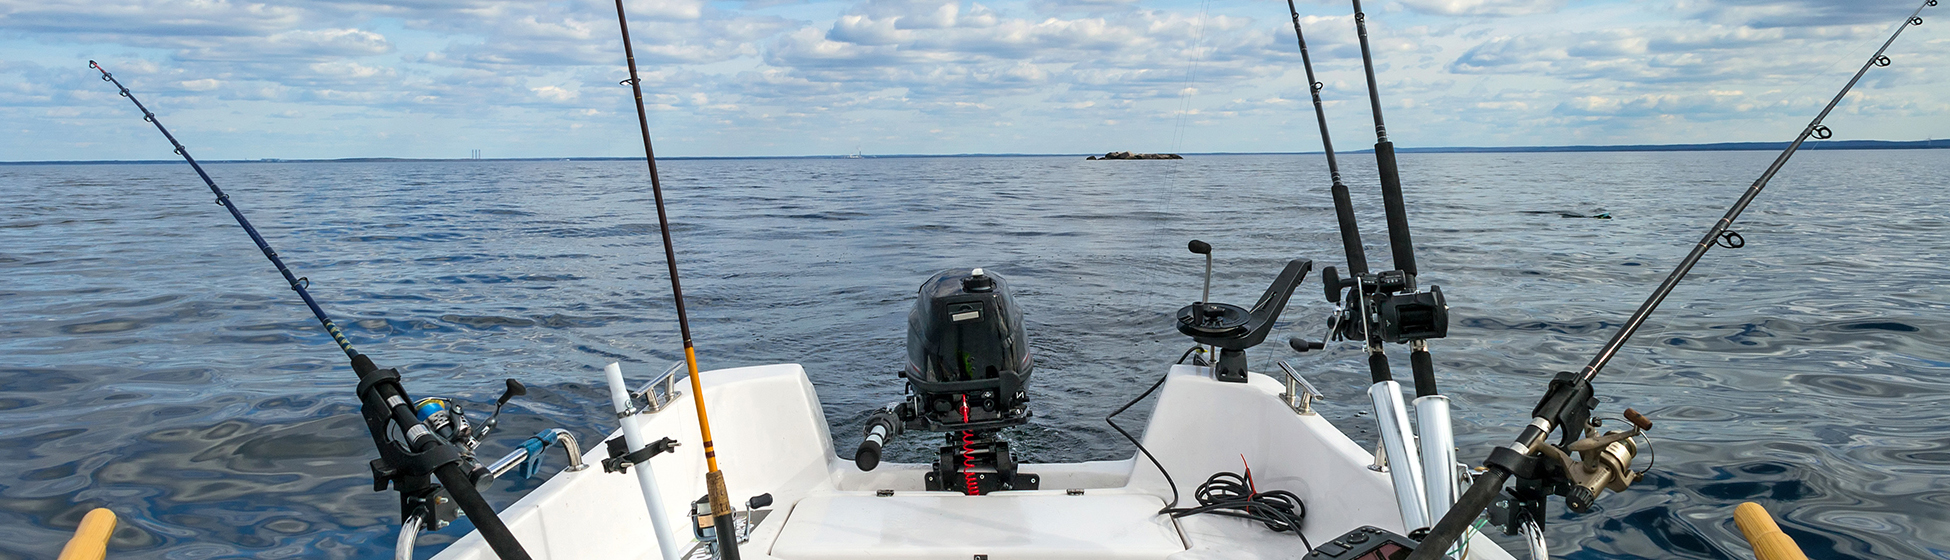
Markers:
point(784, 75)
point(1484, 7)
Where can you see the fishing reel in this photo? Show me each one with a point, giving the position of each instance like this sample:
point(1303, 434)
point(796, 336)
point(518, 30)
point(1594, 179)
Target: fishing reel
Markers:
point(1580, 467)
point(425, 505)
point(1389, 303)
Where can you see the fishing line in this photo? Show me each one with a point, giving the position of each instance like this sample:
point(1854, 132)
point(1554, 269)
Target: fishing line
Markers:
point(1191, 77)
point(1809, 78)
point(721, 509)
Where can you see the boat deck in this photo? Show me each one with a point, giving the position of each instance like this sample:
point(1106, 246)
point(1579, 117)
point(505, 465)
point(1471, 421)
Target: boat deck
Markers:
point(1040, 524)
point(772, 438)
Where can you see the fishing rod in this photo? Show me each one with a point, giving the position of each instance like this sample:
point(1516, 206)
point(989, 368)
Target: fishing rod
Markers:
point(1354, 321)
point(1357, 258)
point(721, 509)
point(1569, 401)
point(1401, 245)
point(384, 403)
point(1407, 315)
point(1384, 156)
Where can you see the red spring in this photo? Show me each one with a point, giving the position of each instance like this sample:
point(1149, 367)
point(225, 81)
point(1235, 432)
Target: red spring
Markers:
point(968, 452)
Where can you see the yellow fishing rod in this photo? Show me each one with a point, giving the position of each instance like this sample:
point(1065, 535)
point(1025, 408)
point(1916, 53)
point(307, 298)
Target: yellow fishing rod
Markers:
point(713, 479)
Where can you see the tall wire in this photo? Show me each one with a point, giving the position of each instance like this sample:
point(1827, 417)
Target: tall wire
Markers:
point(1191, 77)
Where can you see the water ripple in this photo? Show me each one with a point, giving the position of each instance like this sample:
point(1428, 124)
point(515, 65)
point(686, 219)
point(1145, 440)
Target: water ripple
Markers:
point(157, 366)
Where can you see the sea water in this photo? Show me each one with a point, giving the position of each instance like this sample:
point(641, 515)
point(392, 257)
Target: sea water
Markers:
point(152, 362)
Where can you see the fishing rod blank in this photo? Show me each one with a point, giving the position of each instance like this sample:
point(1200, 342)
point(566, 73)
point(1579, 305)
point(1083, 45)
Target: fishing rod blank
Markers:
point(721, 510)
point(1357, 258)
point(298, 284)
point(1719, 234)
point(1384, 156)
point(1490, 484)
point(384, 400)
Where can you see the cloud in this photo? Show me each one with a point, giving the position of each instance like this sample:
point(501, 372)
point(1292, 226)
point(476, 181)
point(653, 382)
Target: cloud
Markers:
point(148, 19)
point(318, 44)
point(785, 75)
point(1797, 13)
point(1484, 7)
point(686, 34)
point(1640, 56)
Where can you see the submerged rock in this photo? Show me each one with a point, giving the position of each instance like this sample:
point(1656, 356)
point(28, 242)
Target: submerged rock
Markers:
point(1129, 155)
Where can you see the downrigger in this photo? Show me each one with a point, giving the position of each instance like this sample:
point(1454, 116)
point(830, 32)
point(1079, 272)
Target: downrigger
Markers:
point(968, 367)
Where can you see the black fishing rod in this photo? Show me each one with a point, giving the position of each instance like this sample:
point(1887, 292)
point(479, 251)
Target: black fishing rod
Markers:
point(384, 402)
point(1382, 308)
point(1401, 245)
point(1570, 396)
point(1357, 258)
point(1384, 157)
point(721, 509)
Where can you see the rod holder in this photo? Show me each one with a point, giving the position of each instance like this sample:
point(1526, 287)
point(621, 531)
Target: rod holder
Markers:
point(646, 476)
point(1438, 453)
point(1404, 467)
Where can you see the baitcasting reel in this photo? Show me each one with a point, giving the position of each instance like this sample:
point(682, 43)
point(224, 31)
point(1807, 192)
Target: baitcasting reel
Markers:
point(1390, 302)
point(968, 367)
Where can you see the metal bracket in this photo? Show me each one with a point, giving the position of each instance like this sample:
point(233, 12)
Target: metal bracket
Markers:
point(661, 390)
point(1299, 393)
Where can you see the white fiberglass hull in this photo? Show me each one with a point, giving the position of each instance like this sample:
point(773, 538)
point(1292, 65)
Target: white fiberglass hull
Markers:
point(772, 437)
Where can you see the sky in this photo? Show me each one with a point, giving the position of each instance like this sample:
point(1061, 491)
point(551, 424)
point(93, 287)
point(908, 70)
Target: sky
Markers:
point(236, 79)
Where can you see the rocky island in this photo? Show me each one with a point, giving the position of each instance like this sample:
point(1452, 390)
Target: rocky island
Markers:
point(1129, 155)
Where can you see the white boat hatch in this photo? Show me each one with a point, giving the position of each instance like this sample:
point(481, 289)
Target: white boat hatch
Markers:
point(1002, 526)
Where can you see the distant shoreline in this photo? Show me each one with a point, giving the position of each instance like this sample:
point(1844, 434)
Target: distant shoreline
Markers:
point(1716, 147)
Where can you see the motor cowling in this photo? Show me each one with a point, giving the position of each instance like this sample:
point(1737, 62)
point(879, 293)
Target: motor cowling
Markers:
point(965, 344)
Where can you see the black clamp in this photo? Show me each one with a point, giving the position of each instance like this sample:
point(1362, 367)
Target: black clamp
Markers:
point(408, 471)
point(1567, 404)
point(621, 459)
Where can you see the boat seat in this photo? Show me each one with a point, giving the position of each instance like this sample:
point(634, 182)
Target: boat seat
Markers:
point(1004, 526)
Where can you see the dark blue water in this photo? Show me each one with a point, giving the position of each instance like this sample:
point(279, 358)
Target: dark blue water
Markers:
point(152, 362)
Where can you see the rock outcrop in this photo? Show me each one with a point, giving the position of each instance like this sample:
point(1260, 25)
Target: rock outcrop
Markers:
point(1129, 155)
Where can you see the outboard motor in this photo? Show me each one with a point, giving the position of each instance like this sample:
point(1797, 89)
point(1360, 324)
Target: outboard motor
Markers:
point(965, 344)
point(968, 367)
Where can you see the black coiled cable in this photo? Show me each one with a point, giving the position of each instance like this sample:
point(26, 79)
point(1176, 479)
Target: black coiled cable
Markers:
point(1232, 495)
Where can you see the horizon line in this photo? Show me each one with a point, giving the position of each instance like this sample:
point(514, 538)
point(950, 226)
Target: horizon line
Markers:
point(1707, 147)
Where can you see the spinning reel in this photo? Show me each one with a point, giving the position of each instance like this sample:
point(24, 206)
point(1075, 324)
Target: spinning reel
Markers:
point(1580, 467)
point(425, 505)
